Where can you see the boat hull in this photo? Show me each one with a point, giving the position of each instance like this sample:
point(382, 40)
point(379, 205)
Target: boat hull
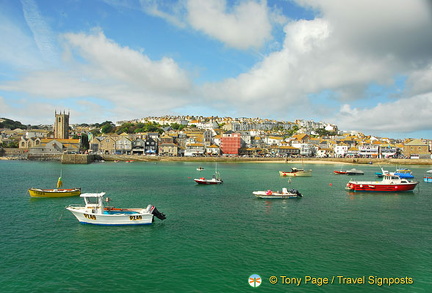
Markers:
point(37, 192)
point(208, 182)
point(340, 172)
point(296, 174)
point(119, 217)
point(354, 173)
point(274, 195)
point(379, 187)
point(427, 179)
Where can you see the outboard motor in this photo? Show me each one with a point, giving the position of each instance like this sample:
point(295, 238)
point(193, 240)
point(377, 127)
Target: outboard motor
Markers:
point(295, 191)
point(157, 214)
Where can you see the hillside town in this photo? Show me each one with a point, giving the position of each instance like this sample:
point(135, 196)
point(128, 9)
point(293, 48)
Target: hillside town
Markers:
point(197, 136)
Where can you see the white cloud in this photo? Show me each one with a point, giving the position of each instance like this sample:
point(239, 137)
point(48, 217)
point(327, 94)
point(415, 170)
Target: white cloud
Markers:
point(171, 12)
point(43, 36)
point(386, 27)
point(244, 26)
point(128, 79)
point(419, 81)
point(399, 116)
point(343, 51)
point(108, 60)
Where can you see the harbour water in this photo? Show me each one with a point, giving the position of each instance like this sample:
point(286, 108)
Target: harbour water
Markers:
point(215, 237)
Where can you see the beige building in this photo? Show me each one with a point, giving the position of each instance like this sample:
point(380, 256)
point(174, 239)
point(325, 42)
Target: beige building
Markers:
point(416, 148)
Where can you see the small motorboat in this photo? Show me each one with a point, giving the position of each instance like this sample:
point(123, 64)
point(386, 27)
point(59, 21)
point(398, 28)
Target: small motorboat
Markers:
point(95, 212)
point(402, 173)
point(341, 172)
point(200, 168)
point(390, 183)
point(285, 193)
point(354, 172)
point(216, 179)
point(295, 172)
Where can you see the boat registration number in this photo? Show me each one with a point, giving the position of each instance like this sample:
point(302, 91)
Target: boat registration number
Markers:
point(91, 217)
point(135, 218)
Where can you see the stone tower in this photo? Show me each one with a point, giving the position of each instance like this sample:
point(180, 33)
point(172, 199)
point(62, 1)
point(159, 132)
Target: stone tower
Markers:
point(61, 125)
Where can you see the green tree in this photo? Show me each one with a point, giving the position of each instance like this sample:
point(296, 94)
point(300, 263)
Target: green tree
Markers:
point(107, 128)
point(11, 124)
point(292, 130)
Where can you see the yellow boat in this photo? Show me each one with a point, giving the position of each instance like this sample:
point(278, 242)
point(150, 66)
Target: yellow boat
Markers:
point(55, 192)
point(38, 192)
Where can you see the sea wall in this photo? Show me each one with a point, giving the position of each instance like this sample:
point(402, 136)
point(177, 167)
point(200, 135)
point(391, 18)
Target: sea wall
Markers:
point(77, 159)
point(395, 162)
point(14, 153)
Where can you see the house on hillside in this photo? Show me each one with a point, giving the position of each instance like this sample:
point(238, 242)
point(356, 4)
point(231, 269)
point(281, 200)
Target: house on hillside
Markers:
point(151, 145)
point(368, 151)
point(123, 146)
point(417, 149)
point(168, 147)
point(285, 151)
point(306, 149)
point(341, 150)
point(212, 150)
point(230, 143)
point(194, 149)
point(104, 144)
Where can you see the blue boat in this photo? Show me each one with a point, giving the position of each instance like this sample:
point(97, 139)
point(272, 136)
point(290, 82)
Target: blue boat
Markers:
point(402, 173)
point(428, 176)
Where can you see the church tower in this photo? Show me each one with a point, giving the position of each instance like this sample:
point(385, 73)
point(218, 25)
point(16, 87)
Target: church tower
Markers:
point(61, 125)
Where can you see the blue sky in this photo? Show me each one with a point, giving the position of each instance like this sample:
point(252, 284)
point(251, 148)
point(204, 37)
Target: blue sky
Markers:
point(363, 65)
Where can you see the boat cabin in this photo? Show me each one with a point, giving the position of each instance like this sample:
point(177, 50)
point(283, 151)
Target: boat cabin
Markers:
point(93, 201)
point(394, 178)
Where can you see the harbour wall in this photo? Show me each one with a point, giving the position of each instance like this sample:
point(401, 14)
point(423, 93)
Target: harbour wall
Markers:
point(77, 159)
point(395, 162)
point(20, 154)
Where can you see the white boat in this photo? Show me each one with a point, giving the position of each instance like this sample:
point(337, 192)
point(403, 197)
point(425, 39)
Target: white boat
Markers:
point(285, 193)
point(216, 179)
point(295, 172)
point(95, 212)
point(200, 168)
point(354, 172)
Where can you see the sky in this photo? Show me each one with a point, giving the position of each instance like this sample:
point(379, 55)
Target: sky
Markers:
point(364, 65)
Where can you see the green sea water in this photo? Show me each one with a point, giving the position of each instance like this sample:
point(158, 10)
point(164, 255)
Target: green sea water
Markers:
point(215, 237)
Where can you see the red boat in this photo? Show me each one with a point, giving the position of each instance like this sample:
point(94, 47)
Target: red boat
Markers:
point(340, 172)
point(390, 183)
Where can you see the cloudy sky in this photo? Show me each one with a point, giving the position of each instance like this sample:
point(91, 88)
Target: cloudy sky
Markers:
point(363, 65)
